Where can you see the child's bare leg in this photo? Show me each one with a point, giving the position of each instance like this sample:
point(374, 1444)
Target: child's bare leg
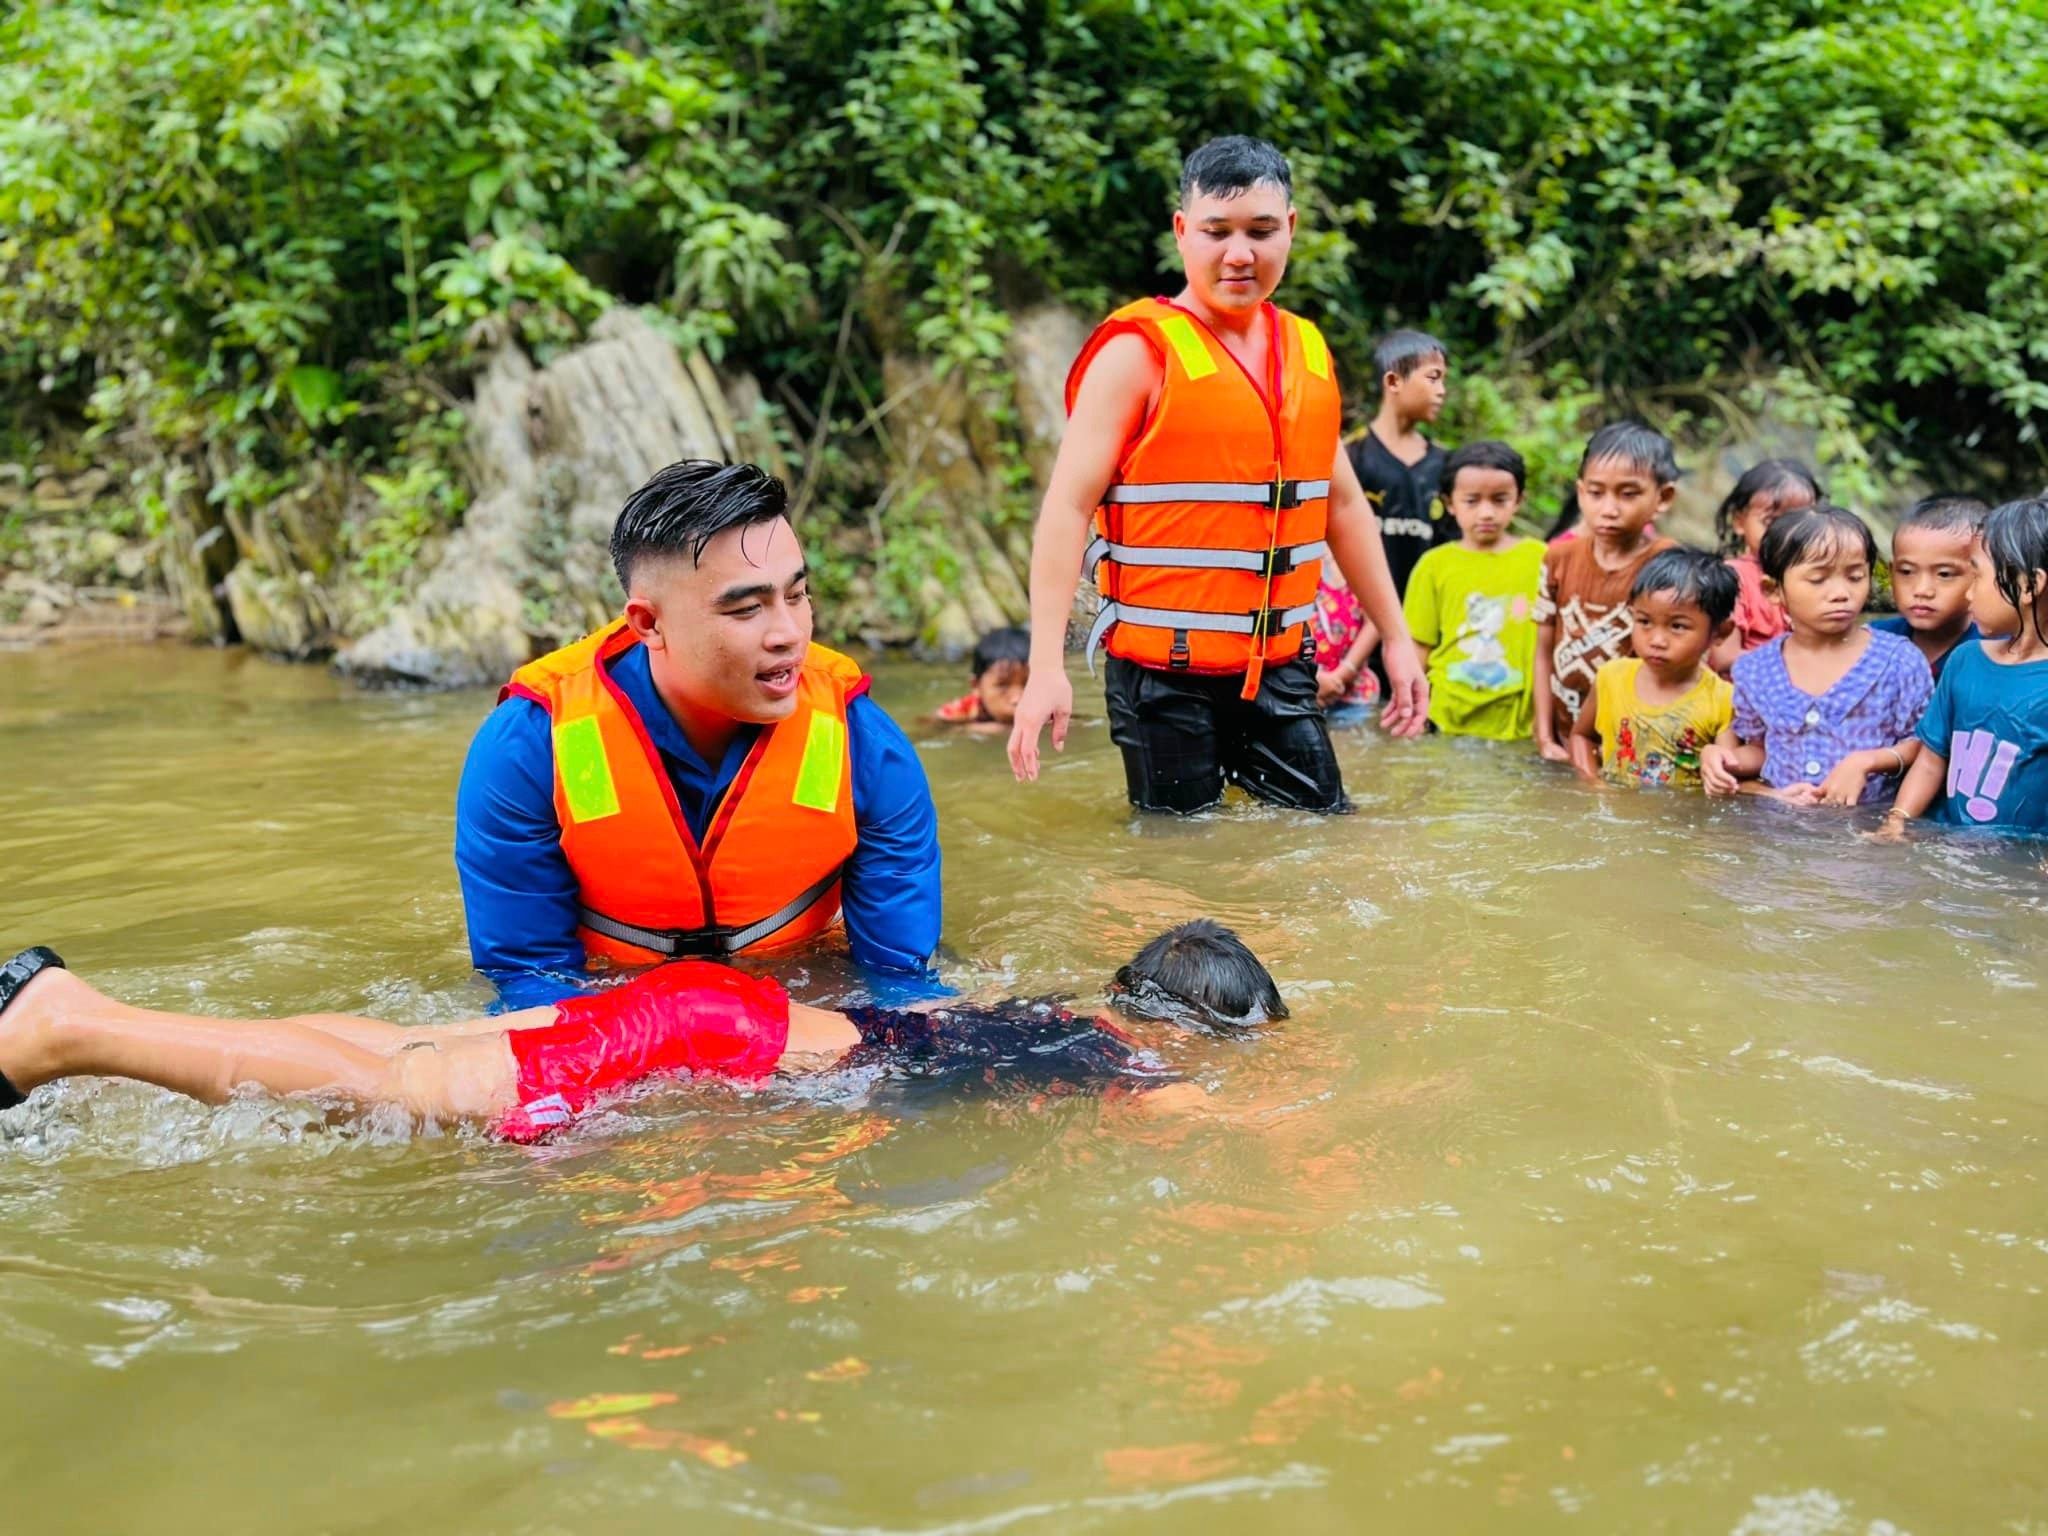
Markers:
point(61, 1027)
point(376, 1035)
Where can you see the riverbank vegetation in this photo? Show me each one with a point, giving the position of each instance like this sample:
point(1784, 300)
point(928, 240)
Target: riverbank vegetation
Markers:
point(246, 250)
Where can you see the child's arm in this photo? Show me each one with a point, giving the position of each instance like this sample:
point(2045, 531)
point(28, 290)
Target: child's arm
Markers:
point(1923, 784)
point(1585, 743)
point(1546, 731)
point(1332, 683)
point(1844, 786)
point(1726, 762)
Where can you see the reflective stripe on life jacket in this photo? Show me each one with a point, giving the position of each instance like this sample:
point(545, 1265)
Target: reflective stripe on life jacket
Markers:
point(766, 876)
point(1210, 540)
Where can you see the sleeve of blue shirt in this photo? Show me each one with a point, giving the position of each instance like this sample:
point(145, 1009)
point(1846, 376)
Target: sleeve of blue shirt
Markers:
point(518, 894)
point(891, 892)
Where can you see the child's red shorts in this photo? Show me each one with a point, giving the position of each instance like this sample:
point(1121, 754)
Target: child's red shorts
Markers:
point(688, 1017)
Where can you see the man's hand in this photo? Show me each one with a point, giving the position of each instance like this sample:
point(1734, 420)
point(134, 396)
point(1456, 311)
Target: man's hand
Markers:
point(1048, 698)
point(1407, 711)
point(1716, 777)
point(1844, 786)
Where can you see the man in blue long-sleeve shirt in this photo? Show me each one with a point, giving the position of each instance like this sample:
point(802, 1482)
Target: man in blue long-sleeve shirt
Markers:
point(697, 777)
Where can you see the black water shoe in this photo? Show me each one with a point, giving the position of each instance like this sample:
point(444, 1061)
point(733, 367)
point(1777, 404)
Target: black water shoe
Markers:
point(14, 975)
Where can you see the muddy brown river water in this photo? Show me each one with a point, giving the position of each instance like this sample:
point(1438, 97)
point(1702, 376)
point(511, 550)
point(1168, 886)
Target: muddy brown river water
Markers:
point(1630, 1164)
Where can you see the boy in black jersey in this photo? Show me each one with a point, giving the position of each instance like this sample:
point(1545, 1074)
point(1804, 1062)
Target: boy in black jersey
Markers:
point(1402, 473)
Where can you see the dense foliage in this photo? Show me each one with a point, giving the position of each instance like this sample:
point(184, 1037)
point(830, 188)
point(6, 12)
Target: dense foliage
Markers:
point(260, 232)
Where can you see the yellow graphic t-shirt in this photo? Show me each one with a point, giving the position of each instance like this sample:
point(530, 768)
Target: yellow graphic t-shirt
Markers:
point(1653, 745)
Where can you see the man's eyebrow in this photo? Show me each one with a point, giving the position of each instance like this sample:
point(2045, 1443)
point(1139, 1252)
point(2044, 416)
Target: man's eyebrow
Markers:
point(759, 588)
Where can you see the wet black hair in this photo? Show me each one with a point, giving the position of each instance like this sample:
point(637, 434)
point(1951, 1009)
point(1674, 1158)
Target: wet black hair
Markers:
point(2016, 543)
point(1402, 352)
point(1233, 164)
point(1798, 534)
point(1633, 444)
point(1692, 576)
point(1567, 512)
point(1010, 643)
point(1770, 478)
point(1946, 513)
point(685, 506)
point(1484, 454)
point(1202, 973)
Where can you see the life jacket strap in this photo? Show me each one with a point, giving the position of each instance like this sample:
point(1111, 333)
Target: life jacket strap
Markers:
point(1279, 495)
point(1281, 560)
point(713, 943)
point(1263, 622)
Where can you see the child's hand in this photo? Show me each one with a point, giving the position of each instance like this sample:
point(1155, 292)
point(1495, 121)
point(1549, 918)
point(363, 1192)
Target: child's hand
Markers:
point(1330, 686)
point(1550, 751)
point(1716, 777)
point(1798, 794)
point(1891, 830)
point(1845, 785)
point(1585, 759)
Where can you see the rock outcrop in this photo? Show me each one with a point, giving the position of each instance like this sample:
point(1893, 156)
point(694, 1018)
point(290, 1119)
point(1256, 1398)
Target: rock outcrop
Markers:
point(556, 451)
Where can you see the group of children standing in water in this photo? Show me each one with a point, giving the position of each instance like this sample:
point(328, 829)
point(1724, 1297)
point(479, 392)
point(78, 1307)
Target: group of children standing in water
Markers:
point(1643, 662)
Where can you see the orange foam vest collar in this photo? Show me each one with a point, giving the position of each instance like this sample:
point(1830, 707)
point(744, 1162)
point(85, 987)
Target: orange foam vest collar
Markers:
point(1210, 539)
point(766, 876)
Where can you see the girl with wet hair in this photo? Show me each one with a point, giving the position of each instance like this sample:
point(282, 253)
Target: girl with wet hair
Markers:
point(1984, 739)
point(1763, 495)
point(527, 1075)
point(1825, 713)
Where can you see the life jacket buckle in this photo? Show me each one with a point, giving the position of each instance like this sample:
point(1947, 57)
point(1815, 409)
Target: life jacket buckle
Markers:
point(1286, 495)
point(1180, 658)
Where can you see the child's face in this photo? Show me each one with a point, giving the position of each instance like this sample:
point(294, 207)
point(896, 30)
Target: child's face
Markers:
point(1765, 508)
point(1989, 610)
point(999, 689)
point(1672, 634)
point(1419, 396)
point(1618, 500)
point(1932, 577)
point(1824, 593)
point(1484, 501)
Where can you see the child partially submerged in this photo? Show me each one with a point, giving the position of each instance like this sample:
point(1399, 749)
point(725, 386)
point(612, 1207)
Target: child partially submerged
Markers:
point(1001, 666)
point(1652, 714)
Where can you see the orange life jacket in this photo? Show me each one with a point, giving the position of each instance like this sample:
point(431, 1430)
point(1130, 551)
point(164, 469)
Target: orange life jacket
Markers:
point(767, 874)
point(1209, 541)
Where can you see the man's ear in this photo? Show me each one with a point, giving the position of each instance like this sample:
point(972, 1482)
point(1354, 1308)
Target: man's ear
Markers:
point(644, 619)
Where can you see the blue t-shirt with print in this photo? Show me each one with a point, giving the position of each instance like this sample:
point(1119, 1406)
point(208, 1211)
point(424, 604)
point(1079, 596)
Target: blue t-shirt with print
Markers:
point(1991, 723)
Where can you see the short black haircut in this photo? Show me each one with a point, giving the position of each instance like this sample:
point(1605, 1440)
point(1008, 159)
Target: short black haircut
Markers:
point(1202, 973)
point(1692, 576)
point(1639, 447)
point(1484, 454)
point(1773, 477)
point(2016, 543)
point(1947, 513)
point(1402, 352)
point(1231, 165)
point(1796, 535)
point(684, 507)
point(1010, 643)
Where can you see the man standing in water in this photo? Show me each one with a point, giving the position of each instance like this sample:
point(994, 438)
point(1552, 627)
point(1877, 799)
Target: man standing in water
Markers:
point(696, 778)
point(1203, 440)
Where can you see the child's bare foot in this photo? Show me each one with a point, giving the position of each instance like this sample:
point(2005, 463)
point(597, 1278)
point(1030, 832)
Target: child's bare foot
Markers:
point(34, 991)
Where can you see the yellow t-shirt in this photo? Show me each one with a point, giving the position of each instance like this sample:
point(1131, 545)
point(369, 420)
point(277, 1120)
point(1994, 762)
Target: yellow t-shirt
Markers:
point(1652, 745)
